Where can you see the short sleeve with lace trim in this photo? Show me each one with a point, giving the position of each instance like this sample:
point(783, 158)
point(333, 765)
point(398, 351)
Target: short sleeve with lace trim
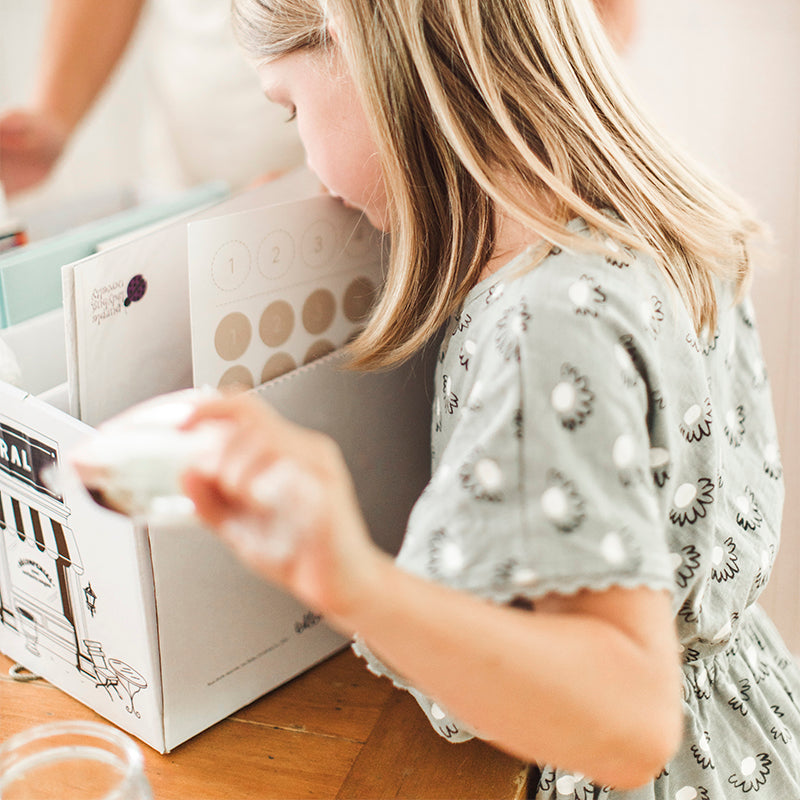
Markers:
point(544, 425)
point(545, 439)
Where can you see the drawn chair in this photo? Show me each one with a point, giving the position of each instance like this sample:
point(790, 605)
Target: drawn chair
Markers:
point(106, 677)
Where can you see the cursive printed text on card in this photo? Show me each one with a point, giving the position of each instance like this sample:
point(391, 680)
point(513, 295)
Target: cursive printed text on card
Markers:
point(107, 301)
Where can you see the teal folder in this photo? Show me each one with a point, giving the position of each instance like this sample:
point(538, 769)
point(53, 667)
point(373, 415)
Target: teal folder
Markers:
point(30, 276)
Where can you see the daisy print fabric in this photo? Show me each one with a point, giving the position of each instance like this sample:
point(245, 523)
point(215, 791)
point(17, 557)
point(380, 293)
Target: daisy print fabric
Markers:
point(584, 436)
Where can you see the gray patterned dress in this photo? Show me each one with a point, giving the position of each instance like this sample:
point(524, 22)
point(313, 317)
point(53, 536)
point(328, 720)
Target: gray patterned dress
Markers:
point(584, 437)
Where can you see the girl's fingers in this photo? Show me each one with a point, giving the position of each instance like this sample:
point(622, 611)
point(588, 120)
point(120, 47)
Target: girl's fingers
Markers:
point(211, 505)
point(249, 420)
point(287, 503)
point(262, 547)
point(288, 491)
point(267, 491)
point(248, 453)
point(236, 407)
point(280, 515)
point(243, 453)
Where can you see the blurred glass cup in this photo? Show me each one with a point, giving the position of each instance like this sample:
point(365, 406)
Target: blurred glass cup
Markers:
point(72, 761)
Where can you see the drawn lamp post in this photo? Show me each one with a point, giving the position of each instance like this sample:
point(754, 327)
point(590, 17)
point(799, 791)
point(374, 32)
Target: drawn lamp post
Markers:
point(91, 598)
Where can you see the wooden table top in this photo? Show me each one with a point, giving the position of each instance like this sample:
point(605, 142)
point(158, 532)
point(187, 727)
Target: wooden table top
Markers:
point(337, 731)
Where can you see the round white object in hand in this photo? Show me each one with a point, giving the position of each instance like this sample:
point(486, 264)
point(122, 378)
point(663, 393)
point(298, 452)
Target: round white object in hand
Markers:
point(134, 461)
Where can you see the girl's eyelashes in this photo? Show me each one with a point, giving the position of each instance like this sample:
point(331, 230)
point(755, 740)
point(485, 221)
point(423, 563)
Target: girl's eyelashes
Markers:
point(292, 115)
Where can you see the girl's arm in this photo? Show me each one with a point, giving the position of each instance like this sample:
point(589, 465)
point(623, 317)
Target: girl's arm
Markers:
point(589, 682)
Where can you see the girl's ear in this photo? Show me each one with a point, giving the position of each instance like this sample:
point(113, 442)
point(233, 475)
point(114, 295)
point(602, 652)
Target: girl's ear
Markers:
point(333, 26)
point(332, 30)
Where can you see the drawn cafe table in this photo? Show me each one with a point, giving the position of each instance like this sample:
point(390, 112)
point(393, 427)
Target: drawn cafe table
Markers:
point(129, 679)
point(336, 731)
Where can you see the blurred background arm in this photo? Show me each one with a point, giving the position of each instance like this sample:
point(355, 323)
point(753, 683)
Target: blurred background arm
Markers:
point(83, 42)
point(619, 17)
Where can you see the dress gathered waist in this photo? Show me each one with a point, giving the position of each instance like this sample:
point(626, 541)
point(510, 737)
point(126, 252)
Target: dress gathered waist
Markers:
point(753, 650)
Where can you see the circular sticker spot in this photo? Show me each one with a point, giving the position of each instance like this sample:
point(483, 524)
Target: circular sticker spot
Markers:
point(358, 299)
point(276, 323)
point(318, 349)
point(231, 265)
point(277, 365)
point(319, 243)
point(318, 311)
point(237, 376)
point(275, 254)
point(232, 336)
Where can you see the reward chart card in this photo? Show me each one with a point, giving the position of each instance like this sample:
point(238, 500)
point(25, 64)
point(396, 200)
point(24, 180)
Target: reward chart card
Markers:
point(127, 309)
point(273, 288)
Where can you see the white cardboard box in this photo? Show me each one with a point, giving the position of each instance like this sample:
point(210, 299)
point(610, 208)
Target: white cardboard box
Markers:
point(161, 630)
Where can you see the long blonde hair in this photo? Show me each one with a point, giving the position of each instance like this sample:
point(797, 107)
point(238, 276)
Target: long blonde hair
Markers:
point(461, 92)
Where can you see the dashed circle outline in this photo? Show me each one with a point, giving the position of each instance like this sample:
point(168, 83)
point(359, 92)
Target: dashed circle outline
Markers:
point(247, 273)
point(291, 260)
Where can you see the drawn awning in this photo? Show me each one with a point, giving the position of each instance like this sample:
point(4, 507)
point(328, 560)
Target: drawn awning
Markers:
point(39, 531)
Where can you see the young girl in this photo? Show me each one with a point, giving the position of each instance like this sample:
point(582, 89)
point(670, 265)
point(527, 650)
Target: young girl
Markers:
point(578, 580)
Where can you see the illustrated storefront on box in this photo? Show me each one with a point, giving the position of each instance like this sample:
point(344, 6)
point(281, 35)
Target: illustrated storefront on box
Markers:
point(156, 625)
point(44, 595)
point(159, 628)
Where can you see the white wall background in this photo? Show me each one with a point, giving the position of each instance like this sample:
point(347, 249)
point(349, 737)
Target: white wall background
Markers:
point(722, 76)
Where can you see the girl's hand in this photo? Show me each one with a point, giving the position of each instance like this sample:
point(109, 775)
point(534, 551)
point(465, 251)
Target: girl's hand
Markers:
point(281, 497)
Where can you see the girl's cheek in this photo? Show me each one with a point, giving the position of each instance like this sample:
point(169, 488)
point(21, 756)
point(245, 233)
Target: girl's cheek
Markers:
point(378, 218)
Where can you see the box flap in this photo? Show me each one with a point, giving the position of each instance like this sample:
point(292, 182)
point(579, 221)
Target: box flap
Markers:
point(228, 637)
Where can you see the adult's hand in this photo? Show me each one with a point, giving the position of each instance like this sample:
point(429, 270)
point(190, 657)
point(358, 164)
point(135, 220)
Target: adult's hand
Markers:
point(620, 18)
point(30, 145)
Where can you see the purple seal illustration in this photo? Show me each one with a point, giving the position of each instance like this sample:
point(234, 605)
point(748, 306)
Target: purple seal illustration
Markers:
point(137, 286)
